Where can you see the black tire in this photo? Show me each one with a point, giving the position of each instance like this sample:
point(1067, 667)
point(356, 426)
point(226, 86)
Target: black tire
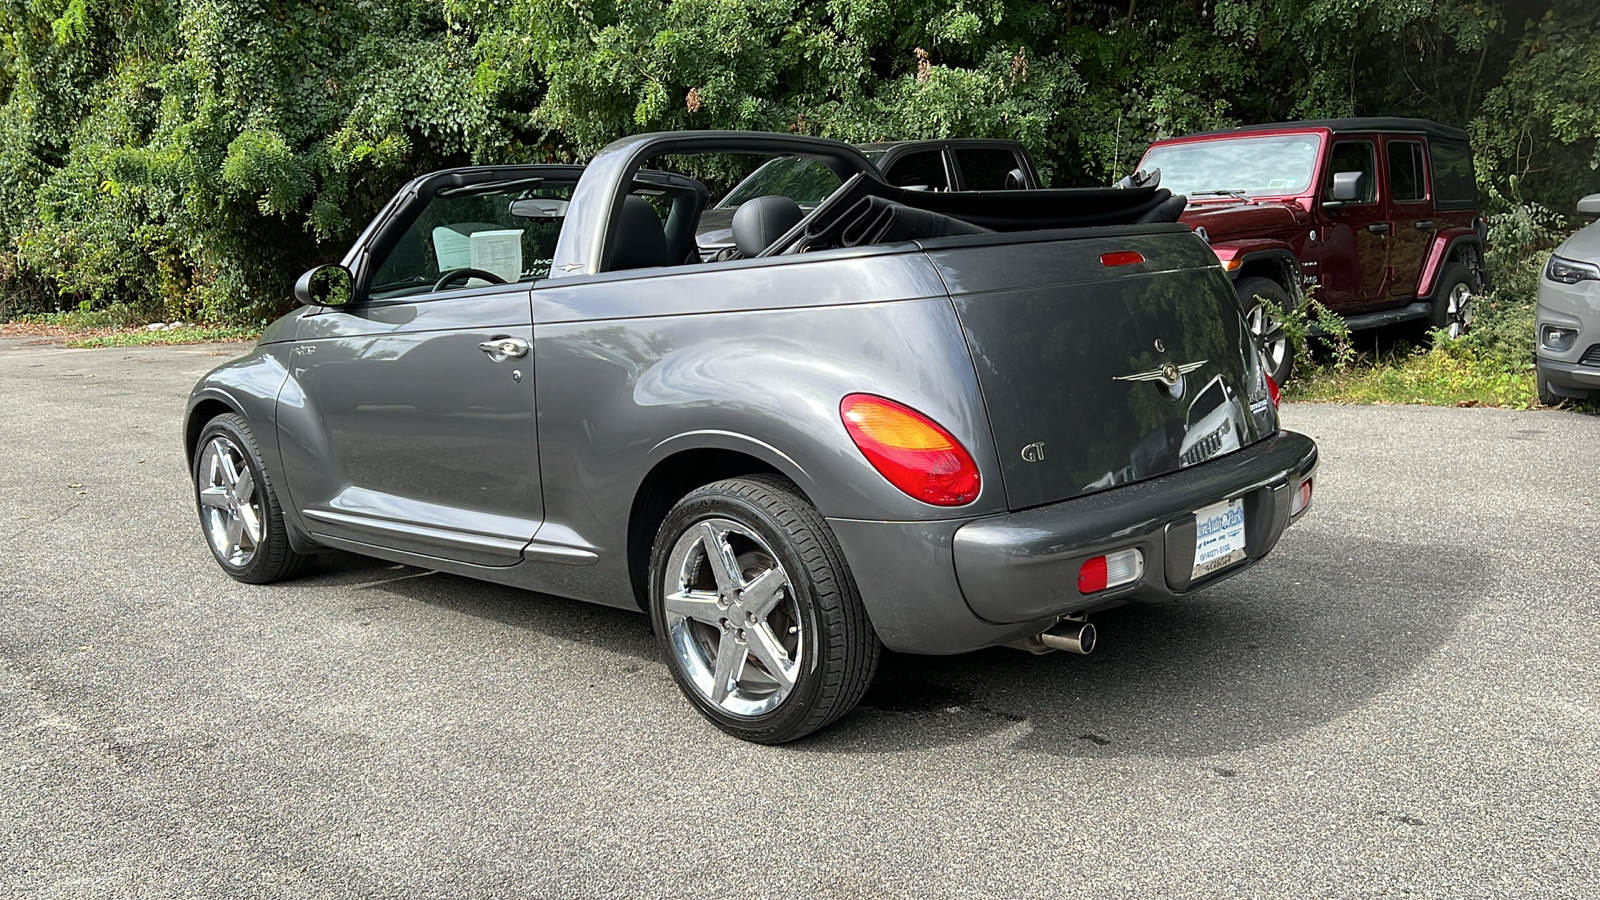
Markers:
point(1269, 333)
point(1547, 394)
point(1455, 284)
point(1547, 397)
point(268, 557)
point(827, 638)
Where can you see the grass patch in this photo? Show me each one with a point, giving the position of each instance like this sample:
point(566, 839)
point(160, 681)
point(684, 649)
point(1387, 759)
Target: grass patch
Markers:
point(196, 334)
point(118, 325)
point(1442, 376)
point(85, 318)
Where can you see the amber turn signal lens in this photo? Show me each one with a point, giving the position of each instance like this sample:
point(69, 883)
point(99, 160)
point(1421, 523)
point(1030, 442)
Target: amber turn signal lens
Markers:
point(911, 450)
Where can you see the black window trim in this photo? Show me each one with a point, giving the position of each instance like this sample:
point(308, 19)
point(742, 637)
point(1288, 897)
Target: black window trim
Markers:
point(1378, 196)
point(945, 159)
point(954, 164)
point(1425, 180)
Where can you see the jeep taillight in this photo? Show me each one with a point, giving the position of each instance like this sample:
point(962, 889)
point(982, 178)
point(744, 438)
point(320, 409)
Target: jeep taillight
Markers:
point(911, 450)
point(1273, 390)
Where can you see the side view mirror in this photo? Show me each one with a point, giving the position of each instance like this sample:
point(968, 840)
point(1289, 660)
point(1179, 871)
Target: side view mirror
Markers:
point(1590, 205)
point(330, 285)
point(1016, 181)
point(1348, 187)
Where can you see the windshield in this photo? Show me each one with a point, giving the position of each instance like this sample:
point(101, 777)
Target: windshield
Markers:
point(804, 181)
point(1279, 165)
point(487, 233)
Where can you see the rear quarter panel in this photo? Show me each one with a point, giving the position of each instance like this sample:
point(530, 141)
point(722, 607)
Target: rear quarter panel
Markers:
point(755, 357)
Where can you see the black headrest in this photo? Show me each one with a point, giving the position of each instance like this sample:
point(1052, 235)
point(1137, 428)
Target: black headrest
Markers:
point(640, 242)
point(759, 222)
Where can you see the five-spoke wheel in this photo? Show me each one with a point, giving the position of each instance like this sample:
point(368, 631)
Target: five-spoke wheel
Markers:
point(239, 511)
point(229, 506)
point(760, 620)
point(731, 618)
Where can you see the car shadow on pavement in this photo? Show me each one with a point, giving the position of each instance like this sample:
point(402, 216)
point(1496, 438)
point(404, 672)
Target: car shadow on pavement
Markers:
point(616, 630)
point(1288, 646)
point(1317, 631)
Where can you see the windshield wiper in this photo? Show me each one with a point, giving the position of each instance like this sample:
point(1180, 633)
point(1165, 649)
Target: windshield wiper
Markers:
point(1230, 192)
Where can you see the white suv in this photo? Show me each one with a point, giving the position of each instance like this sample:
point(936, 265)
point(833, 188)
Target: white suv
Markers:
point(1568, 317)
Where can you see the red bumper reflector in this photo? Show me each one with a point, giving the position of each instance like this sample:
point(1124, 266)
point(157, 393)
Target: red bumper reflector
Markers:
point(1092, 577)
point(1277, 394)
point(1121, 258)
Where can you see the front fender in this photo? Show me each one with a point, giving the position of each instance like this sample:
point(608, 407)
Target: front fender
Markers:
point(1237, 257)
point(248, 387)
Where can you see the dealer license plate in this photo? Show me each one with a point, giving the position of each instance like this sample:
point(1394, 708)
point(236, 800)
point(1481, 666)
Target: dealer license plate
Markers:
point(1218, 537)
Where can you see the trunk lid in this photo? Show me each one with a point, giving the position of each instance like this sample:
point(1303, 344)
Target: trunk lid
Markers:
point(1097, 374)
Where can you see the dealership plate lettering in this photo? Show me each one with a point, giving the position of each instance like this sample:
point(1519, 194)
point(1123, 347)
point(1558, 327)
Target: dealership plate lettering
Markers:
point(1218, 537)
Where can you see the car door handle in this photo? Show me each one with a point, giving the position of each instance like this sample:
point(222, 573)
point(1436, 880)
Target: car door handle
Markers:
point(1379, 228)
point(1425, 225)
point(504, 348)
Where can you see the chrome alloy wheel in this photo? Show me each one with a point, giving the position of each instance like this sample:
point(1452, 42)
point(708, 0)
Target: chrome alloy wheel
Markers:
point(1269, 333)
point(1459, 314)
point(230, 503)
point(732, 619)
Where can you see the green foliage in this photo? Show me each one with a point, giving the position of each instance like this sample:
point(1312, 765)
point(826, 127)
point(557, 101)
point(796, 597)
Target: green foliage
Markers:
point(1435, 377)
point(187, 158)
point(1313, 329)
point(194, 334)
point(1541, 124)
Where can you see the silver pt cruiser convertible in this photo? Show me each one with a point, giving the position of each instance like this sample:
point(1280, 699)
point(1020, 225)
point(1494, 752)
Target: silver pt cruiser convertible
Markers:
point(933, 422)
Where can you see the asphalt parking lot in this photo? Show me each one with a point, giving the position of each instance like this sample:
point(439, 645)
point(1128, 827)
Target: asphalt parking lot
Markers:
point(1403, 700)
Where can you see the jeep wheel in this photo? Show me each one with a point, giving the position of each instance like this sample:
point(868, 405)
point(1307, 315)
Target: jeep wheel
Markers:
point(1265, 326)
point(756, 611)
point(1452, 300)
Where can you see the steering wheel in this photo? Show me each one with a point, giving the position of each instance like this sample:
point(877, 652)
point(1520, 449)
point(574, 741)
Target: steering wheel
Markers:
point(462, 274)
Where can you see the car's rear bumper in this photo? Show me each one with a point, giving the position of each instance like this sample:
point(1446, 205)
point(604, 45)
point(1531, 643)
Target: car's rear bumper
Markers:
point(953, 586)
point(1024, 565)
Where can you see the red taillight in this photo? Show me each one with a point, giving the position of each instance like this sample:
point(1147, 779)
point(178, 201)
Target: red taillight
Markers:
point(1092, 576)
point(910, 450)
point(1273, 392)
point(1121, 258)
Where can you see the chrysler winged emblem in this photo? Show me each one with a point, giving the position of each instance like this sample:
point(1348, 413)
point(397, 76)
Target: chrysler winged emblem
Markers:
point(1167, 373)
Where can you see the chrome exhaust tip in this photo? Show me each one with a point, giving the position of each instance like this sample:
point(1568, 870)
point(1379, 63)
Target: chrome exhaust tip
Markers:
point(1071, 636)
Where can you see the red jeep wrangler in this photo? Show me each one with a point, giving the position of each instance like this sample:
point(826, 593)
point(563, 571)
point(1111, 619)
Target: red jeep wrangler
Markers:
point(1378, 215)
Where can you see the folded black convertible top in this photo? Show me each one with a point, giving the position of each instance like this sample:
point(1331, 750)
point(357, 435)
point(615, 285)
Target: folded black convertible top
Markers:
point(1046, 208)
point(865, 210)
